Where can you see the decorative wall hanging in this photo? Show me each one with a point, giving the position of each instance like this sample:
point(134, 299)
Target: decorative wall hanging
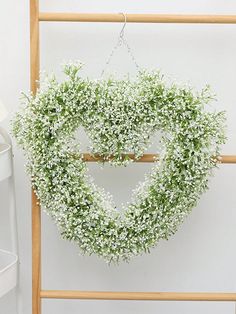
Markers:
point(119, 117)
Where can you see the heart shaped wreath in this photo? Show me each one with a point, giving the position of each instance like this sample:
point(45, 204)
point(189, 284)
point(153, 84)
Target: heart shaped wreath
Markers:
point(119, 116)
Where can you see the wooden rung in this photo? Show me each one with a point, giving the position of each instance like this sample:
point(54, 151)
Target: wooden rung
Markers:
point(224, 159)
point(39, 294)
point(136, 18)
point(141, 296)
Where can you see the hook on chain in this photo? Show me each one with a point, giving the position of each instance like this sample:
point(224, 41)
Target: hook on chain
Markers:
point(122, 32)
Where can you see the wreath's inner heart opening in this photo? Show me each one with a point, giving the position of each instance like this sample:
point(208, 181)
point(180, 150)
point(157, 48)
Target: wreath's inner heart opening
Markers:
point(121, 181)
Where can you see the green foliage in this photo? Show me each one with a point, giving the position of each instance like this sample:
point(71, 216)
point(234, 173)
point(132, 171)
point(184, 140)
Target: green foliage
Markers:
point(119, 117)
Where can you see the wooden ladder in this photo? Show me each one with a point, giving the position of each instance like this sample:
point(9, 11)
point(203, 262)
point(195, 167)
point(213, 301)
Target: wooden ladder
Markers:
point(37, 293)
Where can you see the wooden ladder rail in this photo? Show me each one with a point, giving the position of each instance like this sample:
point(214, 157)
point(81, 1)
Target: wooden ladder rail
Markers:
point(35, 208)
point(37, 293)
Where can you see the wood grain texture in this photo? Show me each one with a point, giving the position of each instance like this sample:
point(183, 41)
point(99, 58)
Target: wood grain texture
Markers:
point(144, 296)
point(36, 211)
point(224, 159)
point(36, 255)
point(34, 45)
point(136, 18)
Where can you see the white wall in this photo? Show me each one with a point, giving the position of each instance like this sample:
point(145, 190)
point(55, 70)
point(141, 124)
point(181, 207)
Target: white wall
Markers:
point(201, 256)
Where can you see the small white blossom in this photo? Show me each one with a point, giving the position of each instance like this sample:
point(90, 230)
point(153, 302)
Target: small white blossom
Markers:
point(119, 117)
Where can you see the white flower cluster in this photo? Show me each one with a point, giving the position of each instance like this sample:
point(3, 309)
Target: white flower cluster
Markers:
point(119, 116)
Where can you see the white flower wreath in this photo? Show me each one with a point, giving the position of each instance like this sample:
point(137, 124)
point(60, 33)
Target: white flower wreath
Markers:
point(119, 117)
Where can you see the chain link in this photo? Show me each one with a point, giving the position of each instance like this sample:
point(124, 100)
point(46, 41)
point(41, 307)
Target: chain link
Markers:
point(121, 41)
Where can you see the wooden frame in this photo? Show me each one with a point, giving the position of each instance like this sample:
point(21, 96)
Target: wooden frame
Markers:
point(37, 293)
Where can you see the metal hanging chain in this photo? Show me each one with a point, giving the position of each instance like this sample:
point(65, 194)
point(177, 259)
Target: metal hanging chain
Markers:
point(121, 40)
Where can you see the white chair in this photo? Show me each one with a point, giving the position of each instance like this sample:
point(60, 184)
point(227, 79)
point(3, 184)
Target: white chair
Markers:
point(9, 259)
